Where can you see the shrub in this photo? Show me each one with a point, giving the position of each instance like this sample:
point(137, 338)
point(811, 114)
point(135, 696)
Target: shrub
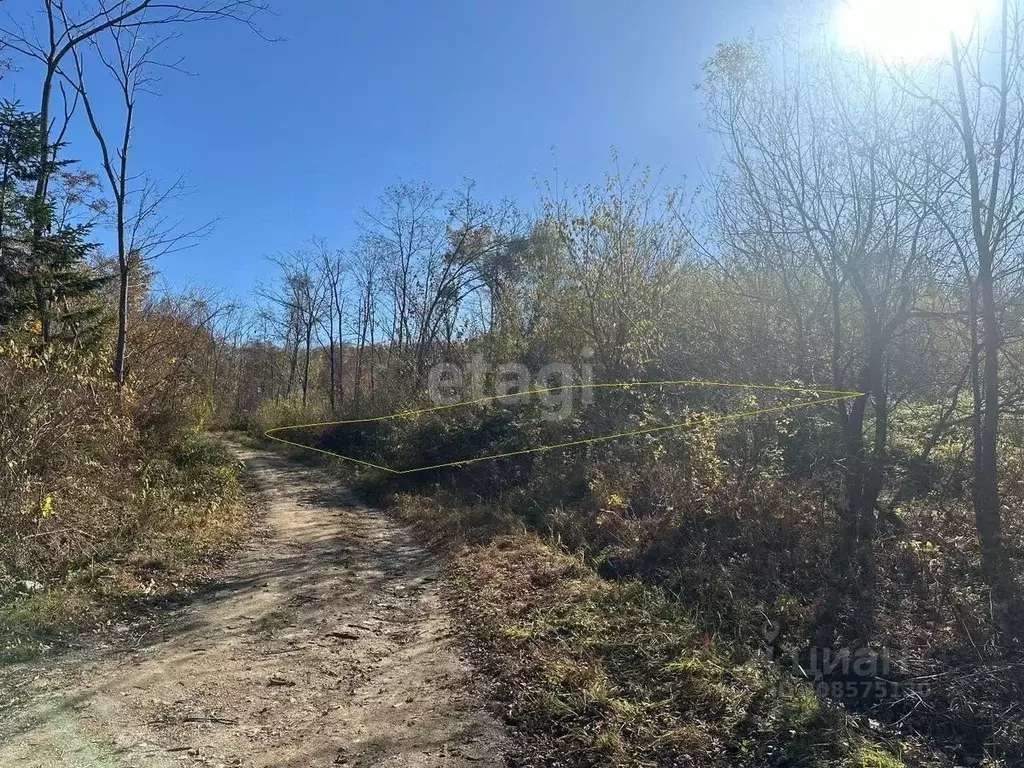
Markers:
point(64, 449)
point(91, 506)
point(280, 413)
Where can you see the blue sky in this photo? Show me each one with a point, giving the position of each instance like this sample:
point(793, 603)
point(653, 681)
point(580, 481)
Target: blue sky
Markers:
point(290, 139)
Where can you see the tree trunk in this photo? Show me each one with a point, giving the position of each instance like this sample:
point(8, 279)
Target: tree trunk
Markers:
point(293, 365)
point(341, 362)
point(986, 481)
point(874, 465)
point(330, 383)
point(122, 325)
point(305, 366)
point(39, 195)
point(986, 405)
point(866, 468)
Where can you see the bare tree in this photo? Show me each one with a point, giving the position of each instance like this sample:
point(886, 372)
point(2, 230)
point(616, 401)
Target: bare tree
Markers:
point(988, 115)
point(300, 293)
point(332, 274)
point(978, 96)
point(65, 34)
point(143, 232)
point(406, 232)
point(436, 253)
point(827, 189)
point(367, 276)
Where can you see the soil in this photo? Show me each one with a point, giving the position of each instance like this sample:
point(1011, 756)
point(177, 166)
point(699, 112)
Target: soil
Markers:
point(325, 643)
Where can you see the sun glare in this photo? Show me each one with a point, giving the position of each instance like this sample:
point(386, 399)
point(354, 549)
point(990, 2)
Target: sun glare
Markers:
point(907, 30)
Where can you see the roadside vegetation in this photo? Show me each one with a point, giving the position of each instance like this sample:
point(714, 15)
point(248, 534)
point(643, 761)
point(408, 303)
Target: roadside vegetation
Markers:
point(107, 502)
point(111, 497)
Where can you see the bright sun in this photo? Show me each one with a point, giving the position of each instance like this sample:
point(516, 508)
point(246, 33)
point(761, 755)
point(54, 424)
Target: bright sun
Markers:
point(907, 30)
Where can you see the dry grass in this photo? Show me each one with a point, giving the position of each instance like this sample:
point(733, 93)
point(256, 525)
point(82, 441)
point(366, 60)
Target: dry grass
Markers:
point(619, 674)
point(193, 513)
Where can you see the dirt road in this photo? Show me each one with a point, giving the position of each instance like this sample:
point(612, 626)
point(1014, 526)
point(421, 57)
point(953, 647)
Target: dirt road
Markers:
point(324, 645)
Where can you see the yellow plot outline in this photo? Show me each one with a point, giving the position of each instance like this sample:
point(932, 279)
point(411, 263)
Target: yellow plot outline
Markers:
point(837, 395)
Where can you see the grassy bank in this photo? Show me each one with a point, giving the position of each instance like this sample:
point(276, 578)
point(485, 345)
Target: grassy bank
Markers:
point(605, 672)
point(163, 532)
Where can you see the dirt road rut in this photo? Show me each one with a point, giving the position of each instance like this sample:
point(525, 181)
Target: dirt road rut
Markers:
point(324, 645)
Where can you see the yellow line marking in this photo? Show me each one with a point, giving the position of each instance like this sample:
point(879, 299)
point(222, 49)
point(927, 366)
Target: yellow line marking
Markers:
point(840, 395)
